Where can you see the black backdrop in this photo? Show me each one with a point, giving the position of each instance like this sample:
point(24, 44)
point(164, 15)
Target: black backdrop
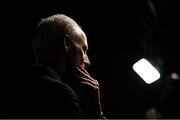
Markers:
point(119, 33)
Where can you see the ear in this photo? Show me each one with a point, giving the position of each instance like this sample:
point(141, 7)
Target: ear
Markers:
point(67, 43)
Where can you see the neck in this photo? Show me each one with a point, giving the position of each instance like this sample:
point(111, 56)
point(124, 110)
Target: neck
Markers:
point(59, 69)
point(58, 66)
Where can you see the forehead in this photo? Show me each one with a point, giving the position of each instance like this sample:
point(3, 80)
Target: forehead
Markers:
point(80, 36)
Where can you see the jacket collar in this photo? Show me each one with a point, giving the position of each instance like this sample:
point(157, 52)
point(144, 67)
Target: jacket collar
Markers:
point(42, 69)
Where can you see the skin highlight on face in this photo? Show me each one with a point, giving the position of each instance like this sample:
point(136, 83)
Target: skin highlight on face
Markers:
point(81, 47)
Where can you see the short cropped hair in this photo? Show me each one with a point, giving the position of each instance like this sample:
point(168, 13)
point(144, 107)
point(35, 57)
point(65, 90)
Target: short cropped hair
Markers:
point(51, 32)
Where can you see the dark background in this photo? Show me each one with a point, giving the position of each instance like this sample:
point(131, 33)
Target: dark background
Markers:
point(119, 33)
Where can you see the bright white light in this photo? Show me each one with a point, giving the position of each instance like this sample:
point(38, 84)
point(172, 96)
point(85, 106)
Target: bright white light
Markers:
point(146, 71)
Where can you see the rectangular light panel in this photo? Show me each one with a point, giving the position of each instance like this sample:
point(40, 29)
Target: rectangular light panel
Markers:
point(146, 71)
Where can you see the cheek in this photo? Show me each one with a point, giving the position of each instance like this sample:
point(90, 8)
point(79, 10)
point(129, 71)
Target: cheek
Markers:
point(79, 58)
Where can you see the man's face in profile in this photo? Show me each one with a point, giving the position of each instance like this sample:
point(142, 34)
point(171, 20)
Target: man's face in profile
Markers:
point(80, 57)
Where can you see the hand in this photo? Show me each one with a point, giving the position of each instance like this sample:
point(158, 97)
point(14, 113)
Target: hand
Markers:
point(91, 89)
point(85, 77)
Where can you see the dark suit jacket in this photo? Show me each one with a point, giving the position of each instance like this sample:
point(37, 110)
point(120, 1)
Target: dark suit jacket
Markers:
point(44, 95)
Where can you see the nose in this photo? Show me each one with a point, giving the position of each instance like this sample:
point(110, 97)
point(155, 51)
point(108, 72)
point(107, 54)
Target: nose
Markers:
point(86, 61)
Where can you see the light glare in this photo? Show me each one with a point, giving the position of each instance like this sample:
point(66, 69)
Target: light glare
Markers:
point(146, 71)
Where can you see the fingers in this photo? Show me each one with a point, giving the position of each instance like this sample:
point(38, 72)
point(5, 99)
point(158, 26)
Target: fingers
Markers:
point(84, 76)
point(82, 72)
point(93, 83)
point(81, 68)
